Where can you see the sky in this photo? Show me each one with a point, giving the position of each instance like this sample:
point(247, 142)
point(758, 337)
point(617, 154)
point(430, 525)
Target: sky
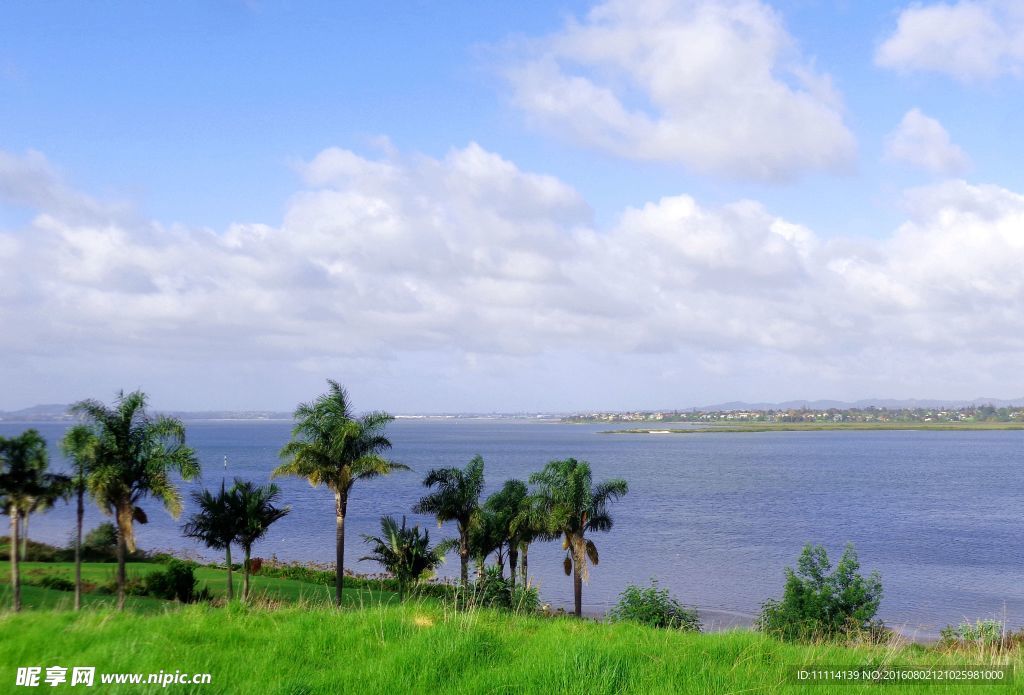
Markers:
point(502, 207)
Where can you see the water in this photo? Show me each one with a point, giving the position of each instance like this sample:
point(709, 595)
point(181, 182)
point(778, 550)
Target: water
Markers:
point(713, 517)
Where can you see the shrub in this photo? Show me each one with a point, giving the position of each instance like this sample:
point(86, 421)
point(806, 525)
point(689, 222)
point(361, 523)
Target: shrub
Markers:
point(52, 581)
point(981, 632)
point(816, 604)
point(492, 590)
point(655, 607)
point(176, 582)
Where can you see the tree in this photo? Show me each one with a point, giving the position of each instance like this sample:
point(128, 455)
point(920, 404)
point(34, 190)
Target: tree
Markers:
point(216, 524)
point(24, 481)
point(509, 507)
point(80, 445)
point(254, 510)
point(405, 552)
point(572, 507)
point(457, 498)
point(135, 458)
point(817, 603)
point(331, 446)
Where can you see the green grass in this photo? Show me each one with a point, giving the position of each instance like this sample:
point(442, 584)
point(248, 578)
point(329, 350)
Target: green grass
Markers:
point(821, 426)
point(425, 648)
point(214, 579)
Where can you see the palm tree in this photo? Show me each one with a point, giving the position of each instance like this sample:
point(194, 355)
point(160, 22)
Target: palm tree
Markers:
point(135, 457)
point(79, 444)
point(216, 524)
point(23, 481)
point(528, 526)
point(255, 512)
point(572, 506)
point(486, 537)
point(510, 508)
point(457, 499)
point(331, 446)
point(405, 552)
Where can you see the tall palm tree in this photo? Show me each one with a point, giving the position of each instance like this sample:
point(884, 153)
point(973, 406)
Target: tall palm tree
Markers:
point(254, 510)
point(23, 481)
point(216, 524)
point(136, 456)
point(405, 552)
point(80, 444)
point(572, 506)
point(331, 446)
point(457, 498)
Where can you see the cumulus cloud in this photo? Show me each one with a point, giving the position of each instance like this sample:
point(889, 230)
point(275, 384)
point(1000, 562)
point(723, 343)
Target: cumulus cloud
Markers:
point(922, 142)
point(467, 254)
point(968, 40)
point(717, 86)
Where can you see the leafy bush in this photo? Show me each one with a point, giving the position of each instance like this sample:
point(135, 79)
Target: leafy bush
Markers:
point(981, 632)
point(177, 582)
point(655, 607)
point(52, 581)
point(817, 604)
point(492, 590)
point(35, 551)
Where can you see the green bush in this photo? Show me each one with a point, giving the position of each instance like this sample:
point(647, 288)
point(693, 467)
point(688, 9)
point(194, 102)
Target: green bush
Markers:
point(982, 632)
point(492, 590)
point(52, 581)
point(818, 604)
point(176, 582)
point(655, 607)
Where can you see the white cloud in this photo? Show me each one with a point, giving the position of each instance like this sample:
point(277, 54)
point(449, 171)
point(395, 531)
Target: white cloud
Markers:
point(717, 86)
point(968, 40)
point(922, 142)
point(468, 255)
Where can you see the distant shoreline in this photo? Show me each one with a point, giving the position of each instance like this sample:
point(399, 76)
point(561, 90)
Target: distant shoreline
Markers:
point(823, 426)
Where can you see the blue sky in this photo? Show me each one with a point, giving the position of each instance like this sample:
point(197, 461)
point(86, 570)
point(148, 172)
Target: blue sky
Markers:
point(157, 128)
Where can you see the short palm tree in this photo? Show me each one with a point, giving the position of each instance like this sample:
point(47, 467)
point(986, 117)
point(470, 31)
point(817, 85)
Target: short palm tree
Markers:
point(216, 524)
point(510, 509)
point(457, 498)
point(331, 446)
point(79, 445)
point(572, 506)
point(24, 481)
point(254, 510)
point(135, 458)
point(405, 552)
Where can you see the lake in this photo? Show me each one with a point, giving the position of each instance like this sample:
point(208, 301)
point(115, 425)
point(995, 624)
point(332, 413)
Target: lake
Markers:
point(714, 517)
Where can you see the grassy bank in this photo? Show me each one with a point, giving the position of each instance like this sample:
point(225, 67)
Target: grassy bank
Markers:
point(424, 648)
point(272, 589)
point(822, 426)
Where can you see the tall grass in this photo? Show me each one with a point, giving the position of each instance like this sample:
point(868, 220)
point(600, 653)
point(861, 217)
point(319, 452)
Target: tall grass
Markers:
point(425, 646)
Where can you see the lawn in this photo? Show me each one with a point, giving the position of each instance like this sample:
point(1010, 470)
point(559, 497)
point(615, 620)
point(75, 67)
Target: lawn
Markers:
point(214, 579)
point(425, 648)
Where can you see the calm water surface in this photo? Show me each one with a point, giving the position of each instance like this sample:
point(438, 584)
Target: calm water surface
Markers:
point(713, 517)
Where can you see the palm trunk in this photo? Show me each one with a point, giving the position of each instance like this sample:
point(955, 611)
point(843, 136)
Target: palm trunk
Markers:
point(524, 563)
point(231, 581)
point(121, 552)
point(464, 555)
point(577, 577)
point(513, 559)
point(245, 576)
point(15, 579)
point(24, 536)
point(340, 502)
point(79, 514)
